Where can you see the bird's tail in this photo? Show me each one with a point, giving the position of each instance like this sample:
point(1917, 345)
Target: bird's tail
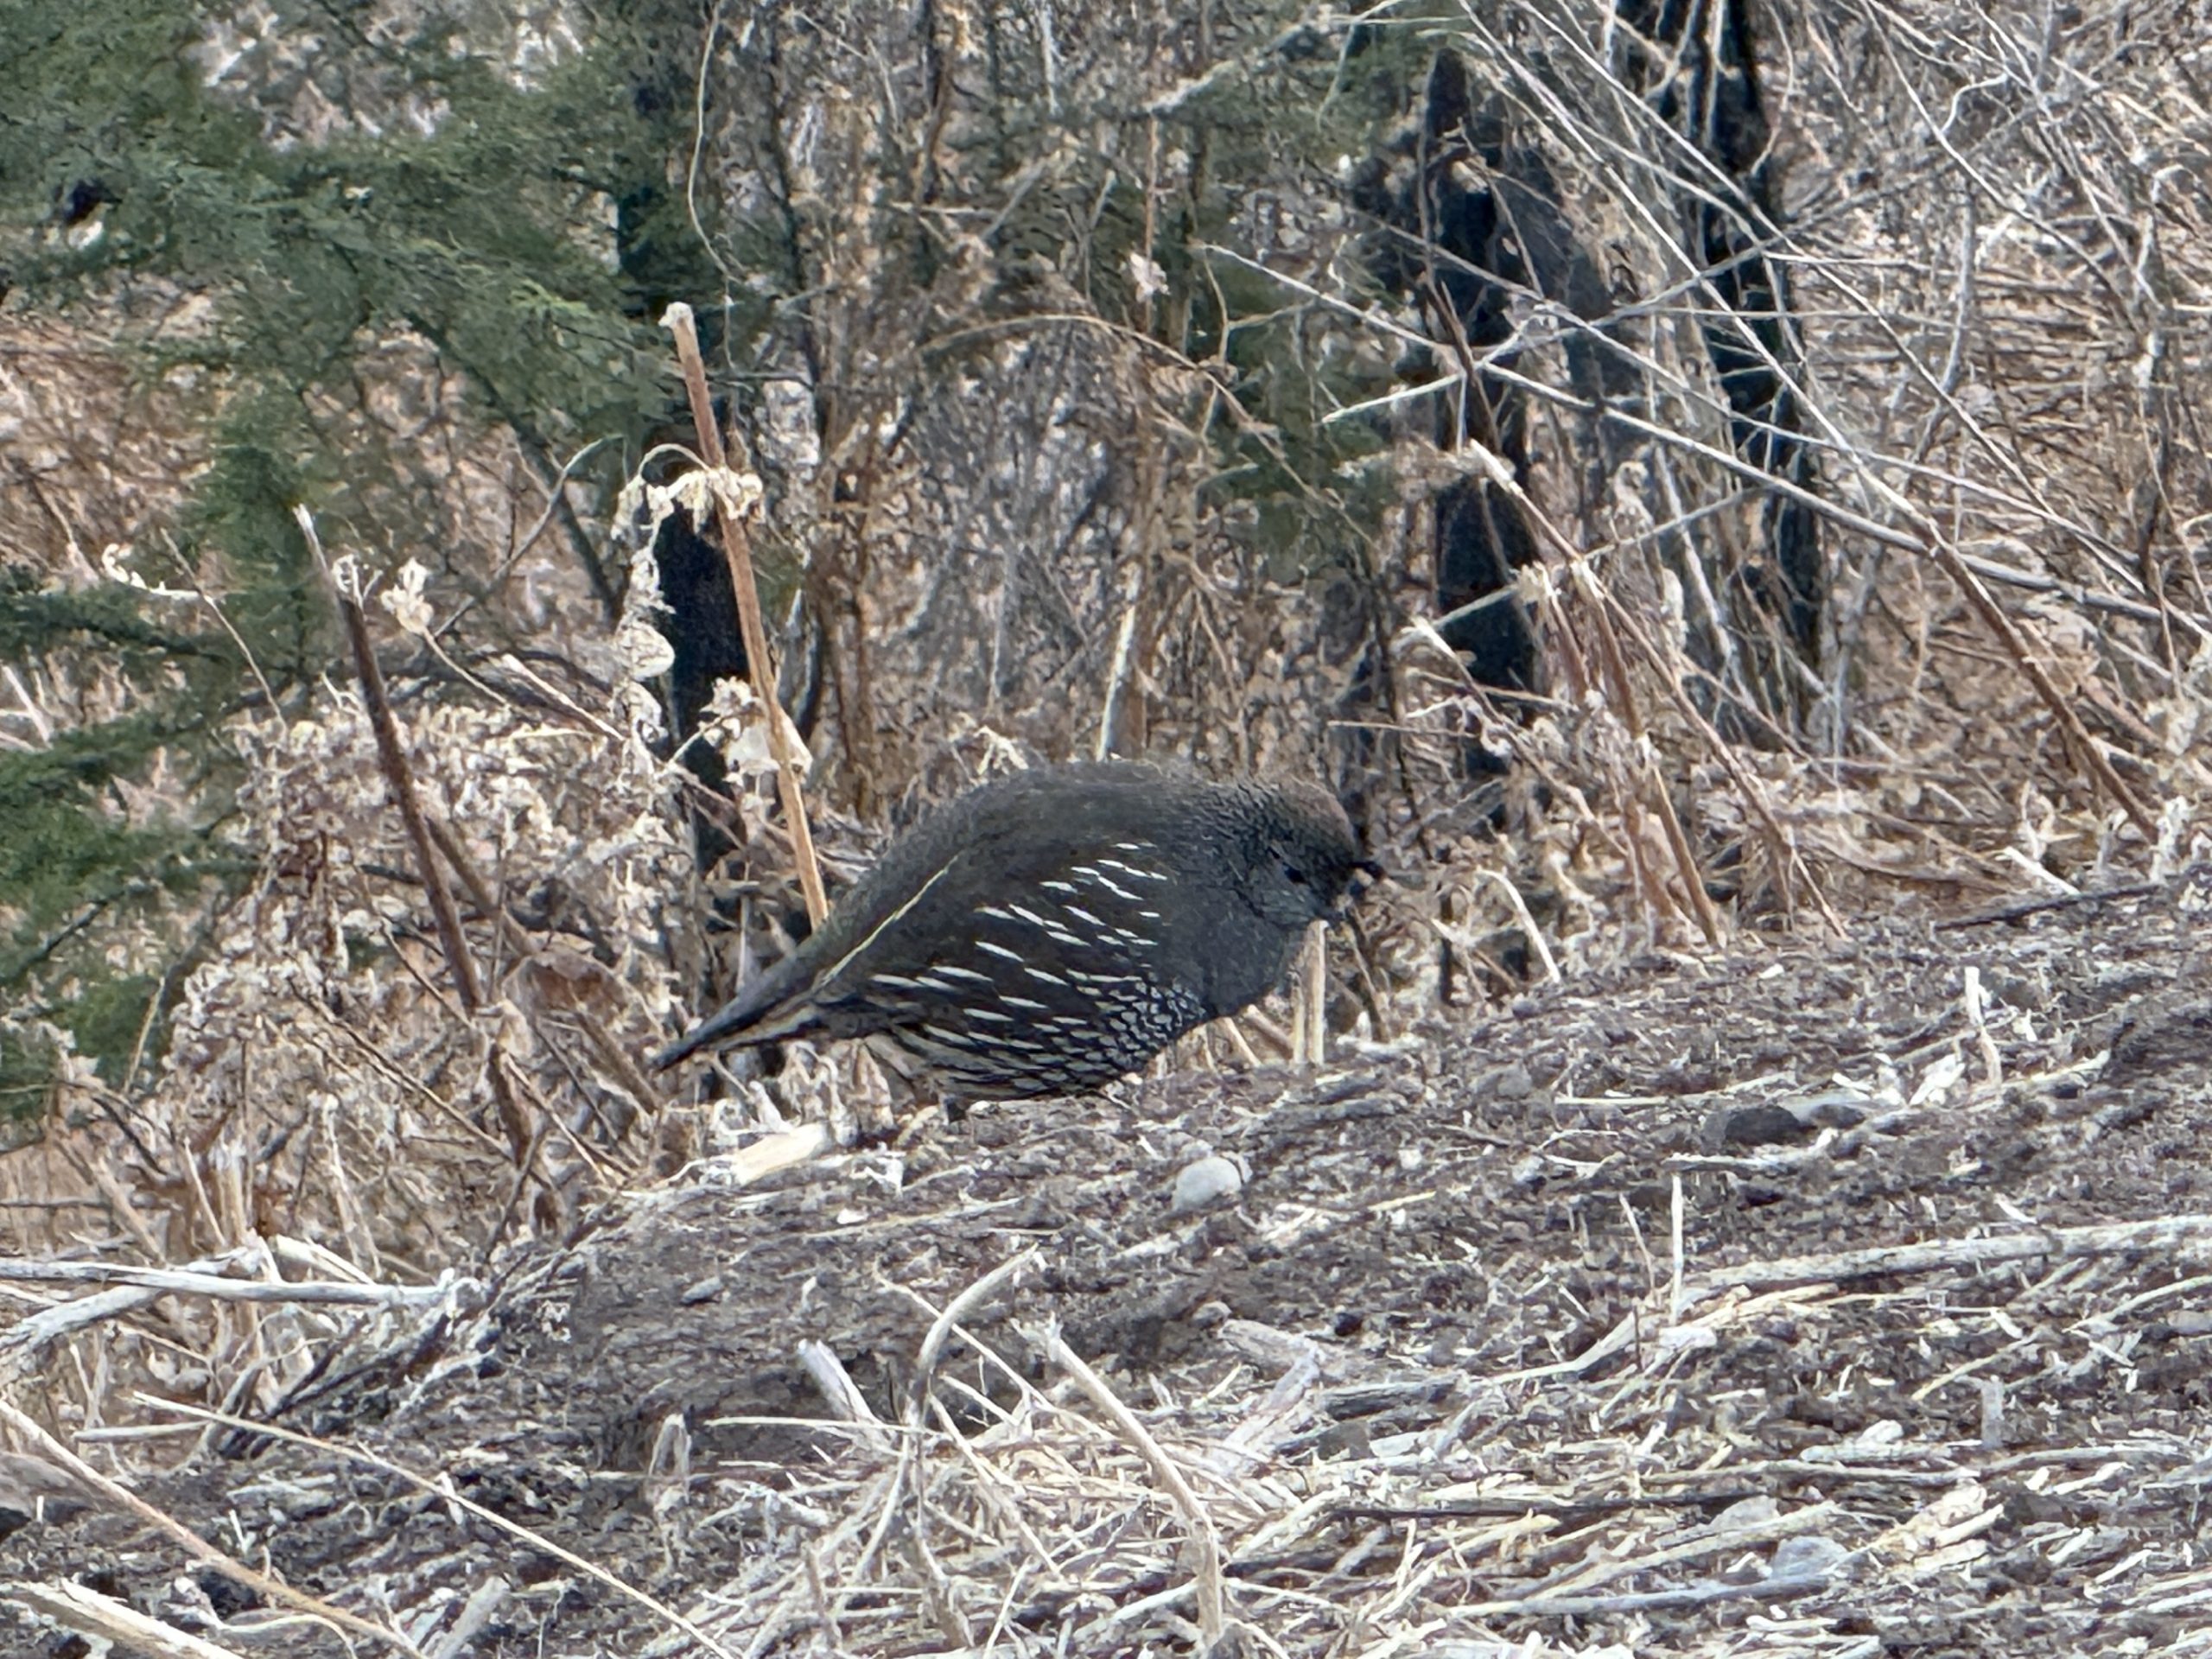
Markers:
point(685, 1047)
point(755, 1014)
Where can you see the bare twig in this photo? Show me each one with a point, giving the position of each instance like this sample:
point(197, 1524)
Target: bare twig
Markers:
point(190, 1542)
point(399, 779)
point(2164, 1233)
point(1205, 1542)
point(759, 664)
point(445, 1493)
point(2062, 708)
point(79, 1608)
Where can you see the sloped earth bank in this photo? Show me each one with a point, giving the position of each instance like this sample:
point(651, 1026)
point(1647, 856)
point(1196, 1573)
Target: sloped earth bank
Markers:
point(1808, 1302)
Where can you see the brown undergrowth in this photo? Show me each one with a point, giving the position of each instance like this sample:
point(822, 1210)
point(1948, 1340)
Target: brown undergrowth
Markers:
point(1521, 1358)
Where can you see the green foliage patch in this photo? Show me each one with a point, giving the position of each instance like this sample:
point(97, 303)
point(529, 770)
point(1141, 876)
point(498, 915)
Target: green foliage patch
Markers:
point(456, 204)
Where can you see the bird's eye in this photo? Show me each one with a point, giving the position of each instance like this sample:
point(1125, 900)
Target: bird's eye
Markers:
point(1293, 874)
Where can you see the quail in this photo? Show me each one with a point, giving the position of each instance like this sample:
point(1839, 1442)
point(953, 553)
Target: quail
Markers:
point(1053, 930)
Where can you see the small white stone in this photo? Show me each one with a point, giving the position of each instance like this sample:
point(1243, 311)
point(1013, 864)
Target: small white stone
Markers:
point(1204, 1183)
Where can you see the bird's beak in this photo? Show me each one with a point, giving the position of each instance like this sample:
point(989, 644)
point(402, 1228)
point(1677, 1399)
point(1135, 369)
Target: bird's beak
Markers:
point(1373, 872)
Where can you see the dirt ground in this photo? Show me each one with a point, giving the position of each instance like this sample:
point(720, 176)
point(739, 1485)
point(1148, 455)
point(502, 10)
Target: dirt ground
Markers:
point(1838, 1299)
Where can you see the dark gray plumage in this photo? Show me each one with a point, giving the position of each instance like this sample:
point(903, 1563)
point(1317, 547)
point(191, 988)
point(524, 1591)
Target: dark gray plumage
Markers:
point(1053, 930)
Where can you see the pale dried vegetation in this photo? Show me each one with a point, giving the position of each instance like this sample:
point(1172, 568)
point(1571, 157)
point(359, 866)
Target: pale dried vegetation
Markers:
point(2002, 273)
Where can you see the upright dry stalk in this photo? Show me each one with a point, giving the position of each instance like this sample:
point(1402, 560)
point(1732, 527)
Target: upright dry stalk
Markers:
point(399, 782)
point(760, 666)
point(2016, 647)
point(1663, 801)
point(1788, 858)
point(1309, 1024)
point(1118, 681)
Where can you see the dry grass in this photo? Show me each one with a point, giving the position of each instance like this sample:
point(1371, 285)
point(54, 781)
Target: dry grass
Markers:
point(2002, 276)
point(1653, 1431)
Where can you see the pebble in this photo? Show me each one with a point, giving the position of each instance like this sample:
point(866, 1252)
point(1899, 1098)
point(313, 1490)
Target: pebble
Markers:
point(1206, 1182)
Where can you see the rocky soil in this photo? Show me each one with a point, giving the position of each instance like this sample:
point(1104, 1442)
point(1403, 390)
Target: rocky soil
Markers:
point(1844, 1299)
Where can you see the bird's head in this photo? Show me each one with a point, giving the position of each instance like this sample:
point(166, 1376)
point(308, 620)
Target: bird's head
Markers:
point(1305, 857)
